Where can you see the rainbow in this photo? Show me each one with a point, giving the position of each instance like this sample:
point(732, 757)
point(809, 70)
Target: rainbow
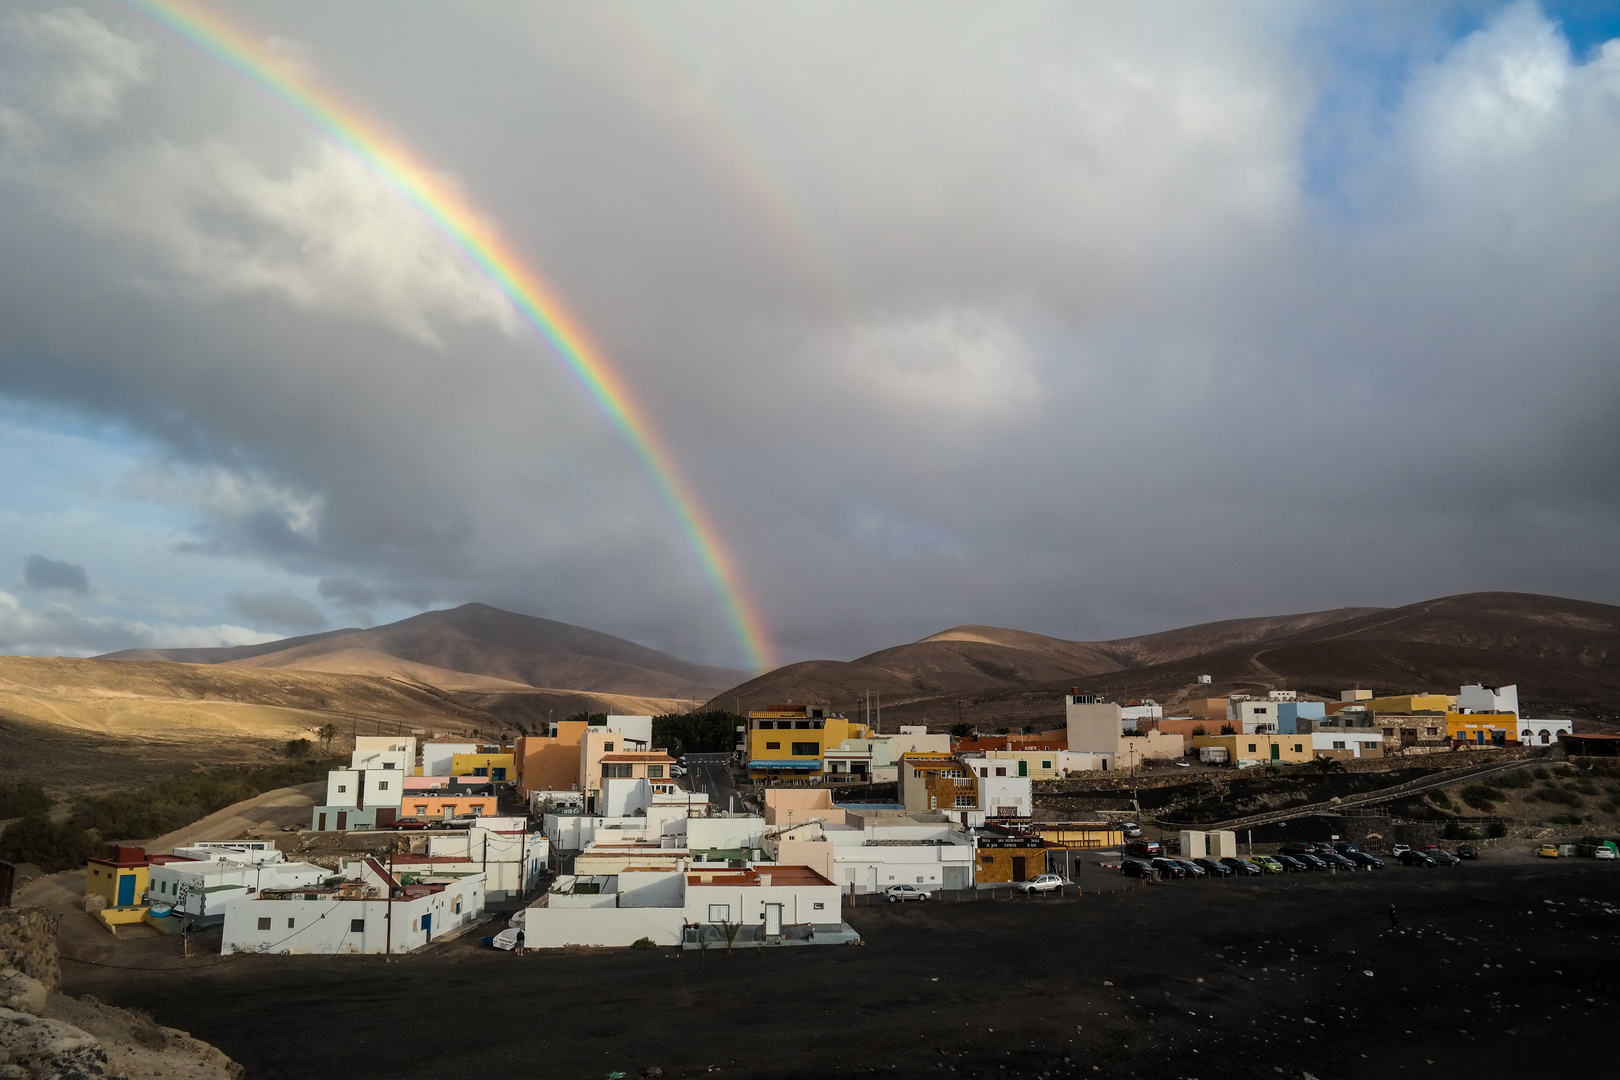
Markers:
point(536, 302)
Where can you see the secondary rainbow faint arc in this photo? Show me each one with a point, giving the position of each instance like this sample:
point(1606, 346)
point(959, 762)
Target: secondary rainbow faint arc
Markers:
point(484, 246)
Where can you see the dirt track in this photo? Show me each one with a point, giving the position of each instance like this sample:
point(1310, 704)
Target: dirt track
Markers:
point(1485, 979)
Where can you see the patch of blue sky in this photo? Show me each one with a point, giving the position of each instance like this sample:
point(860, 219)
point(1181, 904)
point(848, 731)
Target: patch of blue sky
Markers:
point(68, 498)
point(1364, 57)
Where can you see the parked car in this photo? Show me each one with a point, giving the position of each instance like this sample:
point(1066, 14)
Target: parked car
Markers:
point(466, 822)
point(1361, 858)
point(409, 823)
point(1183, 764)
point(1333, 858)
point(1548, 851)
point(1130, 829)
point(1193, 869)
point(1467, 851)
point(676, 772)
point(1345, 848)
point(1268, 864)
point(1214, 867)
point(1169, 868)
point(1292, 864)
point(1604, 851)
point(507, 939)
point(1443, 857)
point(1144, 849)
point(897, 893)
point(1242, 866)
point(1312, 862)
point(1294, 849)
point(1398, 849)
point(1137, 868)
point(1044, 883)
point(1415, 858)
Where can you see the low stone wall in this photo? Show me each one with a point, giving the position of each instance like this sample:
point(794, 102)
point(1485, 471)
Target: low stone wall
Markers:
point(28, 944)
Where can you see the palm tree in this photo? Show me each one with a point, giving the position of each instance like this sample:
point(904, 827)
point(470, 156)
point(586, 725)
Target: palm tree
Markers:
point(326, 733)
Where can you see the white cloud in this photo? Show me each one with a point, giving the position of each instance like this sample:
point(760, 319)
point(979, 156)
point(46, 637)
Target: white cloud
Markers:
point(87, 66)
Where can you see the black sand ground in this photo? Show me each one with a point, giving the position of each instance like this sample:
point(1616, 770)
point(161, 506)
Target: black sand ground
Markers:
point(1498, 970)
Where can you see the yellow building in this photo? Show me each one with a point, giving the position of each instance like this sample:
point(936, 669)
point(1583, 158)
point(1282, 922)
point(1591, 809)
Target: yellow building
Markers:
point(794, 742)
point(1078, 834)
point(930, 782)
point(1412, 703)
point(119, 878)
point(1281, 749)
point(1483, 729)
point(499, 767)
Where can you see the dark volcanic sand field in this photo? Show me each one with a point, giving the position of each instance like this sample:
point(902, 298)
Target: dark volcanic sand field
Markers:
point(1260, 977)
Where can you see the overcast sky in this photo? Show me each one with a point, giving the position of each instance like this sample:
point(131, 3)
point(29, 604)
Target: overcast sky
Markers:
point(1090, 320)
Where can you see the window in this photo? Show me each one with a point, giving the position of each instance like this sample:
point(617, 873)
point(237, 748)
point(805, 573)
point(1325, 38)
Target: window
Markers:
point(264, 924)
point(1046, 764)
point(1298, 749)
point(719, 913)
point(357, 926)
point(383, 786)
point(421, 809)
point(655, 772)
point(1339, 745)
point(987, 859)
point(1259, 712)
point(806, 749)
point(919, 881)
point(616, 770)
point(803, 725)
point(964, 802)
point(289, 924)
point(1001, 770)
point(388, 764)
point(484, 771)
point(607, 747)
point(1251, 748)
point(984, 772)
point(819, 907)
point(342, 788)
point(778, 746)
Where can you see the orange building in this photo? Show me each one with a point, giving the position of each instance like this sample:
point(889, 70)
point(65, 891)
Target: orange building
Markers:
point(446, 803)
point(1040, 740)
point(550, 763)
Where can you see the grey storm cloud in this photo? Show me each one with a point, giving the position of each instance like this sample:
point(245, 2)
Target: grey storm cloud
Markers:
point(279, 610)
point(42, 573)
point(1083, 319)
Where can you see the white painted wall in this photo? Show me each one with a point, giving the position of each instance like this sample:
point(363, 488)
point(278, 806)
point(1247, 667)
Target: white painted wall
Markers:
point(327, 926)
point(437, 756)
point(746, 903)
point(996, 792)
point(719, 832)
point(553, 928)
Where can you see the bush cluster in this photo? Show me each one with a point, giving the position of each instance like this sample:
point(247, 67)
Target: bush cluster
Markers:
point(37, 839)
point(145, 812)
point(1481, 796)
point(713, 731)
point(22, 799)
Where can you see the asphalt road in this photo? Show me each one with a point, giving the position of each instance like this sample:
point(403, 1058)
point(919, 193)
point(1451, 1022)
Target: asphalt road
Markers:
point(1497, 970)
point(709, 773)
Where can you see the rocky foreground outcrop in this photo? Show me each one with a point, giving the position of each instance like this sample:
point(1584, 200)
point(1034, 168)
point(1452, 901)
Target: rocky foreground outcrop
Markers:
point(49, 1036)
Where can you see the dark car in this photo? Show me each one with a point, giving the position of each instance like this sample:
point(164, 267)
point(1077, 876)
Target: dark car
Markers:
point(1319, 849)
point(1467, 851)
point(1333, 858)
point(1192, 868)
point(1442, 857)
point(1361, 858)
point(1169, 868)
point(1294, 849)
point(409, 823)
point(1214, 868)
point(1144, 849)
point(1312, 862)
point(1345, 849)
point(1137, 869)
point(1242, 866)
point(1291, 864)
point(1410, 857)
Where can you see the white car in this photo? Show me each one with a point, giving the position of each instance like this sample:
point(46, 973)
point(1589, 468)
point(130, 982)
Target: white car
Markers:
point(1183, 764)
point(897, 893)
point(675, 772)
point(506, 939)
point(1044, 883)
point(1399, 849)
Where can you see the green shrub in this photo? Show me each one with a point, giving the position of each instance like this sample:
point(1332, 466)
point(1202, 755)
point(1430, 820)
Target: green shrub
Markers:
point(1496, 830)
point(710, 731)
point(644, 944)
point(1585, 786)
point(22, 799)
point(1481, 796)
point(51, 847)
point(1560, 797)
point(1441, 799)
point(1540, 773)
point(1456, 830)
point(1518, 779)
point(150, 811)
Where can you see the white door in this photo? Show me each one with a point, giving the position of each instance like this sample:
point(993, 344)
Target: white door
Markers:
point(773, 920)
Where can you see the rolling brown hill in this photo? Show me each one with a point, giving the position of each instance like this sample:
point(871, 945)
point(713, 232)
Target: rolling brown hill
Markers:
point(476, 648)
point(976, 660)
point(1563, 654)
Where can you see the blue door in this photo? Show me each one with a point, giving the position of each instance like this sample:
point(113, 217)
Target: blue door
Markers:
point(126, 890)
point(427, 924)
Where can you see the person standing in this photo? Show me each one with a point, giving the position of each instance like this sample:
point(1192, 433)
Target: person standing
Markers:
point(519, 947)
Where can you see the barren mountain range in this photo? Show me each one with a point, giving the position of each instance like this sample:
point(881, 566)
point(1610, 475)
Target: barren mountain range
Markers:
point(1563, 654)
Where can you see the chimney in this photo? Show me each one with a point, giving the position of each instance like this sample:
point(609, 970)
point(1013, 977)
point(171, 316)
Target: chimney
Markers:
point(765, 879)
